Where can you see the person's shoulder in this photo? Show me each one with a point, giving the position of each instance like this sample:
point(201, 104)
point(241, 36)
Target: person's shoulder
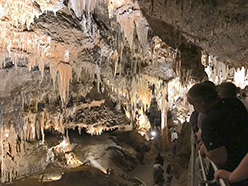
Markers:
point(235, 104)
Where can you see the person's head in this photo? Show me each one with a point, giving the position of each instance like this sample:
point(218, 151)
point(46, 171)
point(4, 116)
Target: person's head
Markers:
point(209, 83)
point(227, 89)
point(159, 154)
point(202, 97)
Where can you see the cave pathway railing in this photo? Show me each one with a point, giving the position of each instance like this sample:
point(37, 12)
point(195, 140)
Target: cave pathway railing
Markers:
point(199, 168)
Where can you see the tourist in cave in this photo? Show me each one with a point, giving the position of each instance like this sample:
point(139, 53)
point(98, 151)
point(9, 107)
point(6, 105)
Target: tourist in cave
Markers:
point(228, 89)
point(157, 120)
point(152, 112)
point(201, 115)
point(224, 126)
point(158, 172)
point(168, 175)
point(174, 136)
point(152, 115)
point(159, 159)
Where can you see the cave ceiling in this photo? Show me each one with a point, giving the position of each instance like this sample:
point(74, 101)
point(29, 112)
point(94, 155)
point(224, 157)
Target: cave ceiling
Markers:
point(218, 27)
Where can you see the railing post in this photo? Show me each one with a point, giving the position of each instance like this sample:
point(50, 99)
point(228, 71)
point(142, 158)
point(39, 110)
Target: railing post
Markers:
point(202, 168)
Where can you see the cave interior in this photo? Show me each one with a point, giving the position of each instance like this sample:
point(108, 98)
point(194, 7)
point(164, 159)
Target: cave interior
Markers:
point(78, 78)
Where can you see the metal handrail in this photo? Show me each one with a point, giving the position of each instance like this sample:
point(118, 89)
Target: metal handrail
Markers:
point(202, 168)
point(143, 183)
point(220, 181)
point(192, 159)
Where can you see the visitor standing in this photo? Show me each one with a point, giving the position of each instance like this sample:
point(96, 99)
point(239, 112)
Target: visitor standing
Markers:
point(168, 175)
point(159, 159)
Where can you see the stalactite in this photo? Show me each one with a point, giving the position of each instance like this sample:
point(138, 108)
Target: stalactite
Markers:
point(22, 13)
point(78, 72)
point(41, 123)
point(53, 72)
point(115, 57)
point(142, 29)
point(93, 69)
point(29, 127)
point(127, 26)
point(98, 75)
point(219, 72)
point(89, 68)
point(41, 64)
point(65, 73)
point(39, 47)
point(79, 6)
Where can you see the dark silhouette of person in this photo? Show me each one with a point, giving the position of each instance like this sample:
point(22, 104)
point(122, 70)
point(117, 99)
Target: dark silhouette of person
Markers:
point(158, 172)
point(159, 159)
point(168, 175)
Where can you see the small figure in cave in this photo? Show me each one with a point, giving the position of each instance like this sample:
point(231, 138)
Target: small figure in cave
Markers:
point(157, 120)
point(152, 111)
point(171, 130)
point(159, 159)
point(152, 115)
point(110, 171)
point(174, 136)
point(168, 175)
point(158, 172)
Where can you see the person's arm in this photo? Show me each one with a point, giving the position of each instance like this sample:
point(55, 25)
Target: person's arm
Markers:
point(198, 134)
point(218, 155)
point(240, 173)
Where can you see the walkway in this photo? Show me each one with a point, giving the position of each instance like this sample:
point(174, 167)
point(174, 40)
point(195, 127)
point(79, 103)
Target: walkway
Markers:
point(144, 171)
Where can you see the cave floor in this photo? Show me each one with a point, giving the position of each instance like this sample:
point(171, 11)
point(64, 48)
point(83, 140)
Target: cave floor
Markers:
point(144, 171)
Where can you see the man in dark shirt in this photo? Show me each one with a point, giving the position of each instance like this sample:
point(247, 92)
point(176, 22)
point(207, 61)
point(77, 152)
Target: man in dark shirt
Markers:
point(224, 128)
point(160, 159)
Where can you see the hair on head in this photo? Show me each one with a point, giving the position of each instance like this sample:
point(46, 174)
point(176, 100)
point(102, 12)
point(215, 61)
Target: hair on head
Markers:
point(227, 89)
point(209, 83)
point(204, 91)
